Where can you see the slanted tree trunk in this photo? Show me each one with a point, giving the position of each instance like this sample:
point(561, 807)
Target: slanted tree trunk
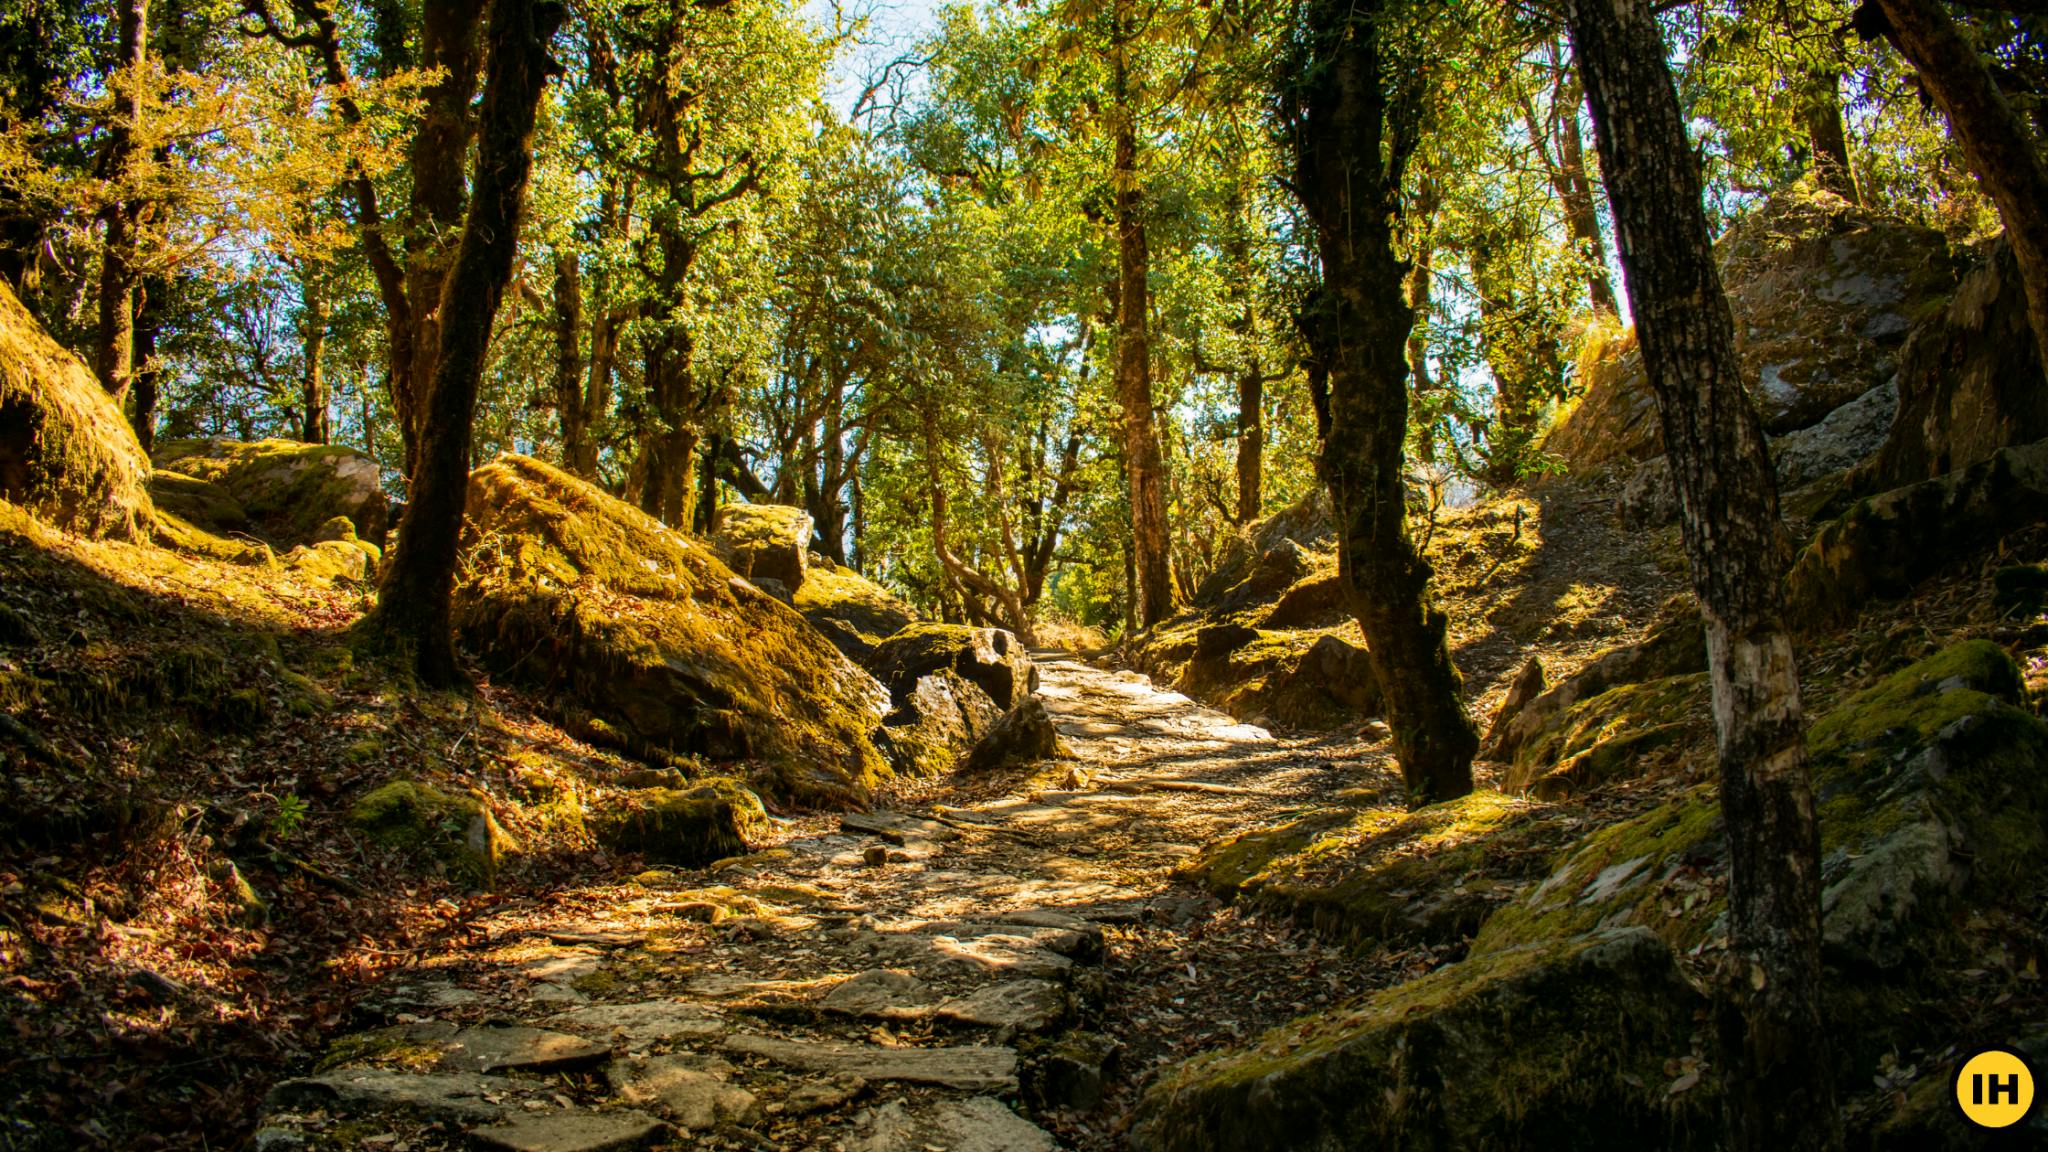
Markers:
point(1152, 588)
point(1828, 138)
point(313, 323)
point(413, 605)
point(1354, 118)
point(2001, 151)
point(114, 342)
point(1582, 215)
point(1780, 1088)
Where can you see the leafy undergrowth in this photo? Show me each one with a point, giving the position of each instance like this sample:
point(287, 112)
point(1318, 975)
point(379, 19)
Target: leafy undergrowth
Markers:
point(185, 907)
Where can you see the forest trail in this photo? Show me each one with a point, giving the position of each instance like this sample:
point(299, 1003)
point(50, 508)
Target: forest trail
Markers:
point(892, 980)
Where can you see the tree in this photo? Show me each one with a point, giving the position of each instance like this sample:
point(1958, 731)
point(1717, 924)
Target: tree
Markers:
point(413, 604)
point(1779, 1077)
point(1354, 110)
point(114, 349)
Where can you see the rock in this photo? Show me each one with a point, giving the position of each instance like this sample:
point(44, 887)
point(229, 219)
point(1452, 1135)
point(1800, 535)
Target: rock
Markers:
point(1331, 685)
point(573, 1131)
point(1970, 382)
point(1649, 497)
point(423, 821)
point(332, 560)
point(880, 994)
point(811, 1097)
point(640, 1024)
point(765, 542)
point(1843, 439)
point(197, 502)
point(1025, 735)
point(484, 1049)
point(941, 718)
point(1887, 544)
point(1604, 737)
point(1676, 645)
point(276, 1140)
point(1526, 686)
point(977, 1124)
point(1305, 523)
point(973, 1068)
point(670, 827)
point(989, 658)
point(854, 613)
point(1558, 1045)
point(1274, 571)
point(250, 909)
point(1025, 1005)
point(66, 452)
point(460, 1098)
point(647, 642)
point(1216, 641)
point(1823, 294)
point(287, 489)
point(692, 1091)
point(1070, 1073)
point(1315, 602)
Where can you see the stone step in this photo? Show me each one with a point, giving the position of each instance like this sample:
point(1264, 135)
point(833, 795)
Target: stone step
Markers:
point(977, 1124)
point(453, 1096)
point(971, 1067)
point(482, 1048)
point(571, 1131)
point(642, 1023)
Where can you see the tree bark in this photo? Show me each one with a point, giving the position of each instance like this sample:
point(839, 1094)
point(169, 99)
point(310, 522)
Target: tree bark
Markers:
point(414, 603)
point(1829, 138)
point(313, 322)
point(568, 308)
point(114, 353)
point(2001, 151)
point(148, 371)
point(1775, 1052)
point(1153, 585)
point(1354, 119)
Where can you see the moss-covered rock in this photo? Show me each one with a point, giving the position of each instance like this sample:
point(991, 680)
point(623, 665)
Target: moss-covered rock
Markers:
point(1675, 646)
point(200, 503)
point(288, 490)
point(941, 718)
point(428, 824)
point(649, 642)
point(1025, 735)
point(1306, 524)
point(329, 561)
point(765, 542)
point(1561, 1045)
point(853, 612)
point(1885, 545)
point(1388, 874)
point(689, 829)
point(1606, 737)
point(989, 658)
point(66, 452)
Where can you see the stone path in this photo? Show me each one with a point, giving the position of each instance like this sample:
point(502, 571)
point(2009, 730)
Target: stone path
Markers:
point(950, 977)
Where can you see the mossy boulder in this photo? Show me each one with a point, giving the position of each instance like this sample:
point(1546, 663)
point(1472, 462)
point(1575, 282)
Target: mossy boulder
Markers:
point(989, 658)
point(668, 826)
point(1887, 544)
point(853, 612)
point(1676, 645)
point(331, 561)
point(424, 822)
point(1266, 578)
point(1332, 684)
point(66, 452)
point(1025, 735)
point(1306, 524)
point(938, 722)
point(1608, 736)
point(287, 489)
point(1314, 601)
point(765, 542)
point(1389, 875)
point(648, 641)
point(198, 502)
point(1559, 1045)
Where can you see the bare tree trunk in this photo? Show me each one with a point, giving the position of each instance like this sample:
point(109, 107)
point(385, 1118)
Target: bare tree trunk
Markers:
point(414, 603)
point(1354, 119)
point(313, 378)
point(1829, 138)
point(1251, 442)
point(2002, 152)
point(569, 381)
point(148, 370)
point(1775, 1052)
point(114, 350)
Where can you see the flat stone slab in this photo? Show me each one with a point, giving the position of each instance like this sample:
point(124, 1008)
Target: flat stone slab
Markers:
point(642, 1023)
point(880, 994)
point(488, 1048)
point(1026, 1005)
point(973, 1067)
point(562, 966)
point(977, 1124)
point(996, 954)
point(572, 1132)
point(692, 1091)
point(456, 1096)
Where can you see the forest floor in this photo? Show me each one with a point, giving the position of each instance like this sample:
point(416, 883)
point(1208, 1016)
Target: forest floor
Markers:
point(1027, 915)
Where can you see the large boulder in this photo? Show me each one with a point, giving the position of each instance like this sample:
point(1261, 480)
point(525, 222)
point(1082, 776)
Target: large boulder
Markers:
point(1676, 645)
point(989, 658)
point(1823, 295)
point(287, 490)
point(1886, 544)
point(853, 612)
point(1306, 524)
point(942, 717)
point(430, 825)
point(648, 641)
point(1970, 382)
point(1332, 684)
point(666, 826)
point(1026, 734)
point(66, 453)
point(765, 542)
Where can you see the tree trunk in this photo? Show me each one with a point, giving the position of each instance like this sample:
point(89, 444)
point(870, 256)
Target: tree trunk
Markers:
point(114, 350)
point(1153, 588)
point(2001, 151)
point(1352, 140)
point(1251, 442)
point(1829, 138)
point(313, 331)
point(1780, 1088)
point(414, 602)
point(148, 371)
point(568, 307)
point(1582, 214)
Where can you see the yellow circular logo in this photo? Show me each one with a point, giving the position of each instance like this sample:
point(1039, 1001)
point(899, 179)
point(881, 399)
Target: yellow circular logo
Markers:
point(1995, 1088)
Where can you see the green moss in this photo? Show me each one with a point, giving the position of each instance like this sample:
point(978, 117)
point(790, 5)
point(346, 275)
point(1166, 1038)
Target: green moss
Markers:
point(381, 1048)
point(669, 827)
point(423, 822)
point(1604, 737)
point(288, 489)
